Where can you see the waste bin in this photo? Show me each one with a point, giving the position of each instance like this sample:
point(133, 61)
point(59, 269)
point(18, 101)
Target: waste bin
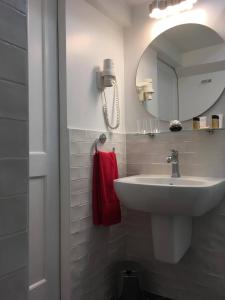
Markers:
point(129, 286)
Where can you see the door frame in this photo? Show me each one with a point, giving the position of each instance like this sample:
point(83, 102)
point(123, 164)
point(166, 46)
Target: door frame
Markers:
point(64, 156)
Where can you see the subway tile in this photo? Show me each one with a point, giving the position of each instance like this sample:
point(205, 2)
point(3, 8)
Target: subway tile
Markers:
point(74, 227)
point(120, 158)
point(154, 168)
point(13, 214)
point(80, 185)
point(208, 232)
point(13, 63)
point(200, 282)
point(81, 250)
point(77, 135)
point(86, 223)
point(82, 160)
point(14, 286)
point(81, 148)
point(14, 138)
point(13, 151)
point(139, 159)
point(80, 173)
point(220, 209)
point(75, 214)
point(13, 253)
point(122, 167)
point(93, 135)
point(80, 198)
point(13, 177)
point(13, 101)
point(80, 265)
point(80, 212)
point(21, 5)
point(207, 260)
point(12, 26)
point(80, 237)
point(134, 169)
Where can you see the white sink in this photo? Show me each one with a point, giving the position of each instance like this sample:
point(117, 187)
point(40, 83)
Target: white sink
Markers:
point(173, 202)
point(187, 196)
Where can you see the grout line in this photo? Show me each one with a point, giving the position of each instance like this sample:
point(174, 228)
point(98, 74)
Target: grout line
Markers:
point(13, 82)
point(7, 275)
point(10, 197)
point(14, 234)
point(3, 41)
point(14, 158)
point(13, 119)
point(13, 8)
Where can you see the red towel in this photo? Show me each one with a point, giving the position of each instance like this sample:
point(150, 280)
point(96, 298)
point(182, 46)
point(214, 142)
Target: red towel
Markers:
point(105, 204)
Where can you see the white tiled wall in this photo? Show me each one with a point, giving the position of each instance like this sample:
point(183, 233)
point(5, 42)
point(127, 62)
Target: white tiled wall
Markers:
point(201, 154)
point(94, 250)
point(201, 273)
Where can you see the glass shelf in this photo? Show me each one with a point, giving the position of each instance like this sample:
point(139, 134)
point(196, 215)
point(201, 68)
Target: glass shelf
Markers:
point(209, 130)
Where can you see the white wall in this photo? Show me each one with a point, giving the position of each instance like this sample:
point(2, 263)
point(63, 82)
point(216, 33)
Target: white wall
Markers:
point(118, 11)
point(141, 34)
point(90, 37)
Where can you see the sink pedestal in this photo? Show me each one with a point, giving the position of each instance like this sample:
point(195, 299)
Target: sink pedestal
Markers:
point(172, 203)
point(171, 237)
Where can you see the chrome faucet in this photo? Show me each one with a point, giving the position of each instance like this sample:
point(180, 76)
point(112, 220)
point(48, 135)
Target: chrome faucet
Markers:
point(174, 159)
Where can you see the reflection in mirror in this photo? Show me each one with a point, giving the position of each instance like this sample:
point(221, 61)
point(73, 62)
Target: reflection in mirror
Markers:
point(181, 73)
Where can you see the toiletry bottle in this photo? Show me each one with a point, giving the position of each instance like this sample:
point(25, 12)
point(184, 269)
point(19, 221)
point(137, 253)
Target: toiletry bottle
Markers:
point(215, 121)
point(203, 122)
point(196, 123)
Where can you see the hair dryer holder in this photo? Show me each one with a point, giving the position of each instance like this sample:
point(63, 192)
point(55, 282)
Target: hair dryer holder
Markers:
point(107, 77)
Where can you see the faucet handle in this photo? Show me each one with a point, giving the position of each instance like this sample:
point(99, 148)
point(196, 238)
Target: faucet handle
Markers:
point(173, 156)
point(169, 159)
point(174, 151)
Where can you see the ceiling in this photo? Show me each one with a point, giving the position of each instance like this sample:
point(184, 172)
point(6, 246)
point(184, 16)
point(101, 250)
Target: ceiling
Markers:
point(192, 37)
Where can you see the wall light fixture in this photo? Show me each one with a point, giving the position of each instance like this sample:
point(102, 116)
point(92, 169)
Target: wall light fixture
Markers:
point(159, 9)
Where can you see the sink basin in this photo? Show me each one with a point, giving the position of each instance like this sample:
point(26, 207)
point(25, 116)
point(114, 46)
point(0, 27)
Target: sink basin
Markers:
point(187, 196)
point(172, 203)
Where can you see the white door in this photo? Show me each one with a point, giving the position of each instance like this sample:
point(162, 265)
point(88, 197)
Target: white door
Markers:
point(44, 156)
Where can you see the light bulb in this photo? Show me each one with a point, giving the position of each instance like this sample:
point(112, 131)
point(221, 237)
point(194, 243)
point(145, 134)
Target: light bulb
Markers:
point(172, 9)
point(186, 5)
point(156, 13)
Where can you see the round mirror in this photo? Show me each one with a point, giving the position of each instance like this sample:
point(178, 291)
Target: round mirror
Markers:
point(182, 72)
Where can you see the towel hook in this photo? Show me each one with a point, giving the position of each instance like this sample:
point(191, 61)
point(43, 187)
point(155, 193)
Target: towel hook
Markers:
point(101, 140)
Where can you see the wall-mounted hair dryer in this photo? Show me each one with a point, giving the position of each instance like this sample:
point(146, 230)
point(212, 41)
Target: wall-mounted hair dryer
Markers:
point(107, 79)
point(145, 90)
